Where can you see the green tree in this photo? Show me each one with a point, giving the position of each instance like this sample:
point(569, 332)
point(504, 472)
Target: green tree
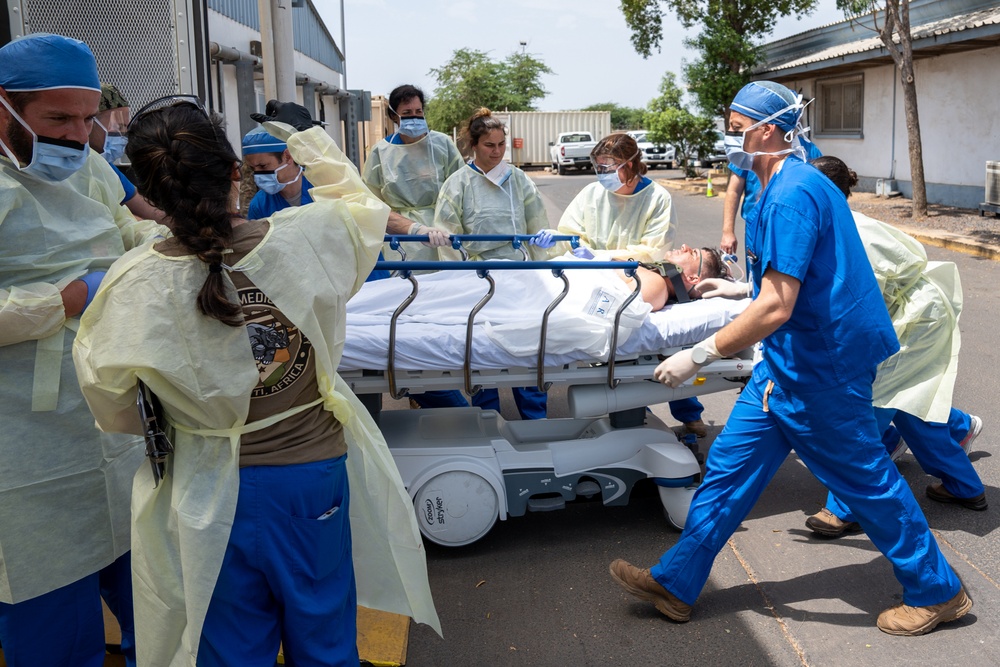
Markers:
point(726, 41)
point(891, 21)
point(471, 79)
point(669, 122)
point(622, 118)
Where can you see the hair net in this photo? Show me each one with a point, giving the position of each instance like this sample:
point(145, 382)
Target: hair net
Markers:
point(762, 99)
point(45, 62)
point(111, 98)
point(259, 141)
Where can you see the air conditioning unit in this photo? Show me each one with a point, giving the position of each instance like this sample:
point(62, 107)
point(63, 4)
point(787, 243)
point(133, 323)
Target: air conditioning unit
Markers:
point(993, 183)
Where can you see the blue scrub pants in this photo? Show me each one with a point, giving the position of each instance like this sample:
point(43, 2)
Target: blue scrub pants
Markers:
point(937, 448)
point(531, 402)
point(834, 433)
point(287, 575)
point(441, 399)
point(65, 627)
point(686, 410)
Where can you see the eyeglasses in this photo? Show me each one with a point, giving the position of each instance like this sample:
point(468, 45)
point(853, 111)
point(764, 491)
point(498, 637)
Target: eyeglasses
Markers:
point(605, 168)
point(167, 102)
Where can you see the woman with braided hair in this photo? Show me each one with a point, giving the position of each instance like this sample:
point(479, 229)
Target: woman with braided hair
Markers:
point(237, 327)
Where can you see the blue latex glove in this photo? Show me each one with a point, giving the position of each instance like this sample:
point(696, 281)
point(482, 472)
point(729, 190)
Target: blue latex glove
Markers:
point(543, 239)
point(583, 252)
point(92, 280)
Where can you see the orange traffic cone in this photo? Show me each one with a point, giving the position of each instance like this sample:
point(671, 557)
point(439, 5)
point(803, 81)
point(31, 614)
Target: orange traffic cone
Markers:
point(709, 192)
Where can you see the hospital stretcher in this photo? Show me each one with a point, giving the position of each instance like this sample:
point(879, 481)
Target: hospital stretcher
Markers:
point(465, 468)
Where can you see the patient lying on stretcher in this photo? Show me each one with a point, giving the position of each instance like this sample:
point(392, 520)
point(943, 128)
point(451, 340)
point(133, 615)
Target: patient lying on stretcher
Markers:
point(682, 267)
point(511, 318)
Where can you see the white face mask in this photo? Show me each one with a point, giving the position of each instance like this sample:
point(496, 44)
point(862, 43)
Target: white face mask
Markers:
point(500, 173)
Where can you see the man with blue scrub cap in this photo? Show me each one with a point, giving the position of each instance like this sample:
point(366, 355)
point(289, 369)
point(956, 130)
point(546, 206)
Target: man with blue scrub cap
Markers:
point(825, 328)
point(280, 182)
point(743, 183)
point(65, 488)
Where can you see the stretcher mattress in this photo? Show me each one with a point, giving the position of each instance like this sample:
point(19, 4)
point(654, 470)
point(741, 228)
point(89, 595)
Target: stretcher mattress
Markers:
point(431, 333)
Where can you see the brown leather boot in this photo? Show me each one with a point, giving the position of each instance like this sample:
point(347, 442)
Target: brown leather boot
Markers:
point(828, 524)
point(911, 621)
point(642, 585)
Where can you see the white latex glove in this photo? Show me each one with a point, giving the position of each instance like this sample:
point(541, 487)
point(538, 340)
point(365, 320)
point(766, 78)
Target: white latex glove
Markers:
point(712, 287)
point(676, 369)
point(683, 365)
point(436, 238)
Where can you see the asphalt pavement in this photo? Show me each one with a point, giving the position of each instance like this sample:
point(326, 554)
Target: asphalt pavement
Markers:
point(536, 590)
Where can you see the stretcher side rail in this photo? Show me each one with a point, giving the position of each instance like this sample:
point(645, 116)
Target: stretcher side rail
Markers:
point(517, 241)
point(482, 269)
point(716, 376)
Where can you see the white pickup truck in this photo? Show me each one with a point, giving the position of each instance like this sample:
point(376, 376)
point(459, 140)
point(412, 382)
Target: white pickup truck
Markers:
point(571, 150)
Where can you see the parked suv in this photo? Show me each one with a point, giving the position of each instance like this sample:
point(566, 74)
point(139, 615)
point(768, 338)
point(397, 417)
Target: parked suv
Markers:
point(653, 155)
point(718, 154)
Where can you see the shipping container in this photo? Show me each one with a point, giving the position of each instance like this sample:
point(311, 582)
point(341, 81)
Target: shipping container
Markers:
point(529, 132)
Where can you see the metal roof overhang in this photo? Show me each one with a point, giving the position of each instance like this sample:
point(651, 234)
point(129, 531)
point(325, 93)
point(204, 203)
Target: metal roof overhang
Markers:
point(955, 41)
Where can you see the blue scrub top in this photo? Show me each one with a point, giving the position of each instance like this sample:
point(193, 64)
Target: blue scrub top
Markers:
point(751, 189)
point(641, 185)
point(264, 205)
point(127, 184)
point(839, 327)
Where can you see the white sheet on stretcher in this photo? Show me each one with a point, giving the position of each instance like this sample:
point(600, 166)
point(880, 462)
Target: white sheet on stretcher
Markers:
point(430, 335)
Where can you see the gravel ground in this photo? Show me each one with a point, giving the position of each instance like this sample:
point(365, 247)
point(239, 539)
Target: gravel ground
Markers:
point(898, 211)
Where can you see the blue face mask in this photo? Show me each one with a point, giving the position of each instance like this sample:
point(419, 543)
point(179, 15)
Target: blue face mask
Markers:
point(114, 147)
point(269, 183)
point(52, 160)
point(413, 127)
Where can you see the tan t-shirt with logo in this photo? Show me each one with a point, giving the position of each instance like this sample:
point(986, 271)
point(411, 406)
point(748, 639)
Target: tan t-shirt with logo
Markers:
point(287, 369)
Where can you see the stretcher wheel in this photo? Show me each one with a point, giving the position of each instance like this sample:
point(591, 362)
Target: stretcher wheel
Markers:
point(456, 508)
point(676, 501)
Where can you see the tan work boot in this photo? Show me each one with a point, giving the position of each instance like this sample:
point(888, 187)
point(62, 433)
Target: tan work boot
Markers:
point(828, 524)
point(911, 621)
point(698, 427)
point(642, 585)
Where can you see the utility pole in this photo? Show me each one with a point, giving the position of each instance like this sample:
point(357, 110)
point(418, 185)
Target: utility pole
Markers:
point(284, 50)
point(267, 48)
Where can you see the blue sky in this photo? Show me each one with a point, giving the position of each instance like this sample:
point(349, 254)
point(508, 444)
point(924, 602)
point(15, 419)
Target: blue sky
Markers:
point(585, 42)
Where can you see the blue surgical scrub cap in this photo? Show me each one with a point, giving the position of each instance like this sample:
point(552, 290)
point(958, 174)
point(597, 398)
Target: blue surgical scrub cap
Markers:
point(46, 62)
point(762, 99)
point(259, 141)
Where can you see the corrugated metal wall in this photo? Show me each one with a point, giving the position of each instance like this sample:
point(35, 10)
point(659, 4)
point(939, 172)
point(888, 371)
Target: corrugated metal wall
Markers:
point(310, 34)
point(537, 128)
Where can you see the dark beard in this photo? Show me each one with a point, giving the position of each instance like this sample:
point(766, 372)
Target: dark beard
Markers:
point(20, 139)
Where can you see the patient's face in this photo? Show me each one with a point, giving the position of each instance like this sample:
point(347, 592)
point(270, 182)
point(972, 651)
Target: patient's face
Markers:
point(690, 262)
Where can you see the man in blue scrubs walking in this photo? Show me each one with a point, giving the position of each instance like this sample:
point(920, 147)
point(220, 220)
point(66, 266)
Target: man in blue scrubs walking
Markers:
point(825, 328)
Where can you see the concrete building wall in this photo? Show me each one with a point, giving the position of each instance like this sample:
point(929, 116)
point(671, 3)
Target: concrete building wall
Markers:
point(957, 95)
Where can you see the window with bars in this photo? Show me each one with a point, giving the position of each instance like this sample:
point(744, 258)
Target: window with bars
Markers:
point(841, 106)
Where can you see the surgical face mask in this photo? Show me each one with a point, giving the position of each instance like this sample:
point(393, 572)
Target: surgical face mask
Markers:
point(114, 144)
point(611, 182)
point(268, 180)
point(607, 175)
point(52, 160)
point(114, 147)
point(413, 127)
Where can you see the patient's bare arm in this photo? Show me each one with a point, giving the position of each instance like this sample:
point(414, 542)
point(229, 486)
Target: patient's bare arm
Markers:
point(655, 289)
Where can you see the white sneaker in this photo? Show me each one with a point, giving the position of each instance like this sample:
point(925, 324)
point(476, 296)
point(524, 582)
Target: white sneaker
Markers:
point(975, 428)
point(899, 451)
